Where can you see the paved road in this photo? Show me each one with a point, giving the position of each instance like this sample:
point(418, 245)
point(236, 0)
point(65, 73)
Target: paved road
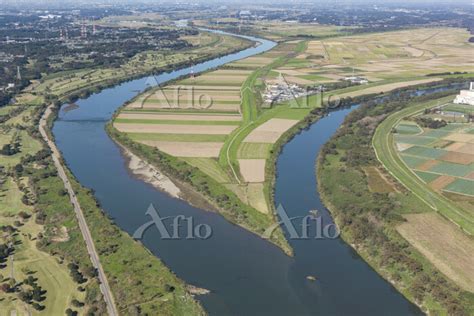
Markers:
point(86, 234)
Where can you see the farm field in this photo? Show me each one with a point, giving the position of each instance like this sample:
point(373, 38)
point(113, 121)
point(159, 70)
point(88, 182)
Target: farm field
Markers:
point(449, 250)
point(443, 158)
point(281, 31)
point(387, 60)
point(430, 163)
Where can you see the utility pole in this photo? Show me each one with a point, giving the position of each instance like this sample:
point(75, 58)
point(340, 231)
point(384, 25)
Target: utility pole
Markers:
point(83, 29)
point(18, 73)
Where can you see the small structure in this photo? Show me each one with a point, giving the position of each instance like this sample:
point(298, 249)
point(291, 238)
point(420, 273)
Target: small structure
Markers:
point(465, 96)
point(356, 80)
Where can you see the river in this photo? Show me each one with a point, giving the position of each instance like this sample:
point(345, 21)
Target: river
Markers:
point(246, 274)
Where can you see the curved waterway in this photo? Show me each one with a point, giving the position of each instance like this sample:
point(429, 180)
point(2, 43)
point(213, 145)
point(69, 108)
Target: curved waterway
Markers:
point(246, 274)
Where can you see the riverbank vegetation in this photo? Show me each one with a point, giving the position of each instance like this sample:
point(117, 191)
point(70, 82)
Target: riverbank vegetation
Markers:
point(372, 209)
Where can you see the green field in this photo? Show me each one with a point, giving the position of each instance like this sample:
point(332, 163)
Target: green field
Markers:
point(384, 145)
point(462, 186)
point(254, 150)
point(427, 176)
point(452, 169)
point(410, 129)
point(412, 161)
point(425, 152)
point(414, 140)
point(209, 166)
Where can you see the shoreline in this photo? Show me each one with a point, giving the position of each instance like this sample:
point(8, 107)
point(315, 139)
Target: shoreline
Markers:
point(140, 169)
point(148, 173)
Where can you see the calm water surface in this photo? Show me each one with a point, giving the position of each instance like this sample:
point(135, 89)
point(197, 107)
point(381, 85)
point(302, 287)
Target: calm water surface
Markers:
point(247, 275)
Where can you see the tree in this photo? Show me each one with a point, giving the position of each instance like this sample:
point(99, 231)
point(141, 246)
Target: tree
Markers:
point(25, 296)
point(70, 312)
point(76, 303)
point(24, 215)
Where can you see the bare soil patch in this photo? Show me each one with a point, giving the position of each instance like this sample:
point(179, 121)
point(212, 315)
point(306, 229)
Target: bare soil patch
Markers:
point(178, 117)
point(427, 165)
point(460, 137)
point(444, 244)
point(457, 157)
point(270, 131)
point(387, 87)
point(175, 129)
point(377, 181)
point(253, 170)
point(441, 182)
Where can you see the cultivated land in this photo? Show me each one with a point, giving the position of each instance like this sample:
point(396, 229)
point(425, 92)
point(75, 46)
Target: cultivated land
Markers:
point(449, 250)
point(437, 165)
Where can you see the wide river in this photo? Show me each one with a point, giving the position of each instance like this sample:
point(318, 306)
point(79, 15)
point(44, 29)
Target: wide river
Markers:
point(246, 274)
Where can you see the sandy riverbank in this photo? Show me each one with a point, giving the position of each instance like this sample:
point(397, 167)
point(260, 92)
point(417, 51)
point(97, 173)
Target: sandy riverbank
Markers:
point(150, 174)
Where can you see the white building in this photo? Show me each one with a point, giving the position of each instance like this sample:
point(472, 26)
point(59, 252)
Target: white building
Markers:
point(466, 96)
point(357, 80)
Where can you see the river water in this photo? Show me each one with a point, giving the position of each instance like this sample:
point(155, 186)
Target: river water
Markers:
point(246, 274)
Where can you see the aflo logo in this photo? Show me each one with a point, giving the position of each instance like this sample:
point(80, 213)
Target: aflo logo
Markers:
point(200, 231)
point(330, 231)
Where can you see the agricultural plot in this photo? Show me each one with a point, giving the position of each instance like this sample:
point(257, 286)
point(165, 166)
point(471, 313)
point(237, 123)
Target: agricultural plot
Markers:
point(442, 158)
point(408, 128)
point(387, 60)
point(448, 249)
point(270, 131)
point(189, 119)
point(252, 63)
